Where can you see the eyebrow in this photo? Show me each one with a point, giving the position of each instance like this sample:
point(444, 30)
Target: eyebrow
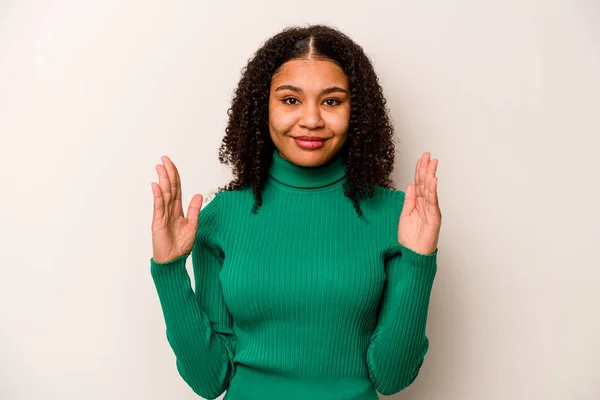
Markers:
point(332, 89)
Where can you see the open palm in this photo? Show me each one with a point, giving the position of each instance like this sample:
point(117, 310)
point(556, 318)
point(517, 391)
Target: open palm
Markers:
point(421, 218)
point(173, 233)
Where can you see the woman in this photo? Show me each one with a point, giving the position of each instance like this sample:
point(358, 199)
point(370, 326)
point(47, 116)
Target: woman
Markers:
point(312, 274)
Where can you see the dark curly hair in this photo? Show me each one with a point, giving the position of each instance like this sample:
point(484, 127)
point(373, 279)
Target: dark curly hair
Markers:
point(369, 148)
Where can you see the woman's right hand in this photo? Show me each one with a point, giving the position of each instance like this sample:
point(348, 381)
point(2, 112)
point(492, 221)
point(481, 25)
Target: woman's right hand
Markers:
point(173, 234)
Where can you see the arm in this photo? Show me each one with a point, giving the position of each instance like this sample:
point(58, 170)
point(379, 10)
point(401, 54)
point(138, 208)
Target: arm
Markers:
point(399, 343)
point(198, 324)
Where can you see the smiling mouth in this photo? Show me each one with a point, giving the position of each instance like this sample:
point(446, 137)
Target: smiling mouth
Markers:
point(309, 138)
point(309, 143)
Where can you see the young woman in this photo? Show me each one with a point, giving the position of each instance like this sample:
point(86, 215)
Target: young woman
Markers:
point(312, 273)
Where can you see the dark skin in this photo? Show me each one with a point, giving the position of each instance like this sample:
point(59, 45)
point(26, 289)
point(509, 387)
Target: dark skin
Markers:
point(308, 97)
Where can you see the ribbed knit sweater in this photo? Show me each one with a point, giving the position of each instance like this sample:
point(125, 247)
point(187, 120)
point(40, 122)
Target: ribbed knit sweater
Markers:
point(303, 300)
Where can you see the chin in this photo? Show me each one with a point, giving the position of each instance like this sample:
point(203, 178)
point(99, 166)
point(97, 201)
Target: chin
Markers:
point(303, 157)
point(307, 158)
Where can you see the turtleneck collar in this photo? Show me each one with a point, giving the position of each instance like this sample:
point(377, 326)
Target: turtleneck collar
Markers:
point(293, 175)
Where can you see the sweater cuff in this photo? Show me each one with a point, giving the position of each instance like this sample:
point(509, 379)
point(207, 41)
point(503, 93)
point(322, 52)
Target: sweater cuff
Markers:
point(157, 267)
point(418, 259)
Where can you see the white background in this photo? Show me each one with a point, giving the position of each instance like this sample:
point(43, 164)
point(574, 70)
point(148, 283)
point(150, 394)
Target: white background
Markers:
point(504, 93)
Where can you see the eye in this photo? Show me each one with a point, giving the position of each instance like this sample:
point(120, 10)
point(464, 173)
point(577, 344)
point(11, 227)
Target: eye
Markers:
point(285, 101)
point(336, 102)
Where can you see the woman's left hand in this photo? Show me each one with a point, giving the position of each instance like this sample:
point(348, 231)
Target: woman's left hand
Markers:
point(420, 220)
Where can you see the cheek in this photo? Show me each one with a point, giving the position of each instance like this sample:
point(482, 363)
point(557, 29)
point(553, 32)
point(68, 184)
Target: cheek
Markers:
point(339, 121)
point(281, 121)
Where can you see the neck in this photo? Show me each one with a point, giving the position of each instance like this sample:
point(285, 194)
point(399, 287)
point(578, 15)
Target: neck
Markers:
point(296, 176)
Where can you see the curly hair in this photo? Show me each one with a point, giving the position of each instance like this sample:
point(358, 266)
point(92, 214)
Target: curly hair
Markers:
point(369, 149)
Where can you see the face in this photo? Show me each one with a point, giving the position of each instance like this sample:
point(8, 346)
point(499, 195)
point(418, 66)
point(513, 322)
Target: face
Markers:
point(309, 111)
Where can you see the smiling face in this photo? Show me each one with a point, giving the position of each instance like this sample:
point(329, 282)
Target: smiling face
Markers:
point(309, 110)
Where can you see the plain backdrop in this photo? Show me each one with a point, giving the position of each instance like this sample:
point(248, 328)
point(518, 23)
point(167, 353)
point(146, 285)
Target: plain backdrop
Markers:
point(504, 93)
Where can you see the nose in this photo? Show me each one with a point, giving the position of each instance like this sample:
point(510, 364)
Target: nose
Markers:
point(311, 117)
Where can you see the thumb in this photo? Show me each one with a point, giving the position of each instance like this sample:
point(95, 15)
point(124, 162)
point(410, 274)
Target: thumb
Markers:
point(194, 210)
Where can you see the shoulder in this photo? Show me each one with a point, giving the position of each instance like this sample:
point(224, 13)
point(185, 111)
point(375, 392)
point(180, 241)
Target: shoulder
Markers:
point(211, 219)
point(219, 199)
point(392, 195)
point(386, 201)
point(391, 204)
point(216, 206)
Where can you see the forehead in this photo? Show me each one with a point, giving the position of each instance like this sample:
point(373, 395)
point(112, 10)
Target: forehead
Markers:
point(310, 72)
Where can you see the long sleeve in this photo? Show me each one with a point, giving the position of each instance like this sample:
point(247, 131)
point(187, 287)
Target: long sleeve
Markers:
point(198, 324)
point(398, 345)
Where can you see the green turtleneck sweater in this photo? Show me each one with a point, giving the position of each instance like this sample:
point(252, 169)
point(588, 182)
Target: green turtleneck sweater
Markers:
point(303, 300)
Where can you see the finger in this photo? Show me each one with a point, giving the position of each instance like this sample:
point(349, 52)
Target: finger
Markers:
point(418, 185)
point(423, 174)
point(165, 186)
point(194, 210)
point(433, 196)
point(433, 208)
point(178, 195)
point(175, 186)
point(172, 180)
point(158, 216)
point(431, 168)
point(410, 199)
